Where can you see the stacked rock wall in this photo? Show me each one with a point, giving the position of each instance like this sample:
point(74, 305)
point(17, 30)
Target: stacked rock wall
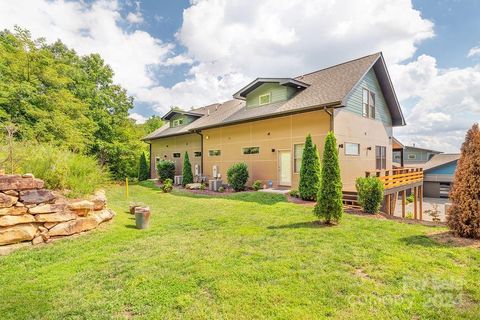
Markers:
point(28, 212)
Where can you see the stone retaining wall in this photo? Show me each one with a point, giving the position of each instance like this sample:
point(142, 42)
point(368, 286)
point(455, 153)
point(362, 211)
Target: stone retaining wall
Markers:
point(28, 212)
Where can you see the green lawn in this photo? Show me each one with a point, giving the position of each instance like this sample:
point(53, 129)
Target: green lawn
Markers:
point(242, 256)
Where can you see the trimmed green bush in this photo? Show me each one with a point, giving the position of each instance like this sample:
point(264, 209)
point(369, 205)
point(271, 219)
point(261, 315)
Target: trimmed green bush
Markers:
point(165, 170)
point(167, 185)
point(187, 171)
point(237, 176)
point(329, 199)
point(294, 193)
point(257, 185)
point(370, 193)
point(143, 170)
point(309, 171)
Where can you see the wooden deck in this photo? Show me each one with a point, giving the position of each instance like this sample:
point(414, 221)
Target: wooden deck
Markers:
point(397, 182)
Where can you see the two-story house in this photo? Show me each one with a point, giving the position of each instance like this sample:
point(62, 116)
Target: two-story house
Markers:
point(266, 122)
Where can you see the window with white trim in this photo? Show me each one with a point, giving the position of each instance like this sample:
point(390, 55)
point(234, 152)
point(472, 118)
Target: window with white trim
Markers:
point(368, 103)
point(380, 157)
point(297, 157)
point(352, 149)
point(264, 99)
point(251, 150)
point(214, 153)
point(412, 156)
point(177, 122)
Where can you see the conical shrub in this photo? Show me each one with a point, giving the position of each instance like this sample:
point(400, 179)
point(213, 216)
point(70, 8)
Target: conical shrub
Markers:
point(309, 171)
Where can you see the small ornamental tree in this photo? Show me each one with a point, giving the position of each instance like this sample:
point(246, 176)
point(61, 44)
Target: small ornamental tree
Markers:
point(329, 199)
point(370, 193)
point(165, 170)
point(463, 216)
point(237, 176)
point(143, 170)
point(187, 170)
point(309, 171)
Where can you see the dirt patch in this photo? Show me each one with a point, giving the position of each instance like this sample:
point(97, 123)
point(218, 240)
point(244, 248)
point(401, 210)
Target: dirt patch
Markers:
point(300, 201)
point(448, 238)
point(356, 210)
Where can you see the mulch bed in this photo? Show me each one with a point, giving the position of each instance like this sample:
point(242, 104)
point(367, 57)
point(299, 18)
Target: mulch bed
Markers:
point(448, 238)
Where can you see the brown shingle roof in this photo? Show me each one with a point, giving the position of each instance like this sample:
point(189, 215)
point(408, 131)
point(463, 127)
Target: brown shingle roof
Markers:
point(326, 87)
point(441, 159)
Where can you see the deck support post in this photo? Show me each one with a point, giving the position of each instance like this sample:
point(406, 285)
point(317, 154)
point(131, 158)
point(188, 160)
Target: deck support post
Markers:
point(415, 196)
point(404, 196)
point(420, 197)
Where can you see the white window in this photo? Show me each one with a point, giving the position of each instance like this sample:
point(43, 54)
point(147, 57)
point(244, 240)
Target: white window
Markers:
point(297, 157)
point(214, 153)
point(352, 149)
point(368, 104)
point(176, 154)
point(381, 157)
point(412, 156)
point(251, 150)
point(177, 122)
point(264, 99)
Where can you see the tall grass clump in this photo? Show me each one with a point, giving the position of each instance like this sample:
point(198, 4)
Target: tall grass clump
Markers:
point(61, 169)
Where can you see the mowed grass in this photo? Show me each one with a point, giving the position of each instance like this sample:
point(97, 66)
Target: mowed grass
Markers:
point(242, 256)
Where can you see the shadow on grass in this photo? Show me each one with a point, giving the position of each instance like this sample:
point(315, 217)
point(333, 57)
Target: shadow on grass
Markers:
point(442, 239)
point(306, 224)
point(248, 196)
point(130, 226)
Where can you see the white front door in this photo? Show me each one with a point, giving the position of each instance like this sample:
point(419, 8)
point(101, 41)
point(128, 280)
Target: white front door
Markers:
point(285, 167)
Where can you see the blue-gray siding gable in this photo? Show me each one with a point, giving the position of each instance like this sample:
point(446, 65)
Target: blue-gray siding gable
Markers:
point(354, 102)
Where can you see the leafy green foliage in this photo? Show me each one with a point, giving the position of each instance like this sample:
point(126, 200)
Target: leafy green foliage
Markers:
point(370, 193)
point(55, 96)
point(221, 189)
point(329, 199)
point(237, 176)
point(410, 198)
point(165, 170)
point(294, 193)
point(167, 185)
point(187, 170)
point(143, 169)
point(257, 185)
point(61, 168)
point(309, 171)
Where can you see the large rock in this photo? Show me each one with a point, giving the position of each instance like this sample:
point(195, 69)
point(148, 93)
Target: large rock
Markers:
point(104, 215)
point(6, 221)
point(55, 217)
point(47, 208)
point(7, 201)
point(193, 186)
point(82, 207)
point(37, 240)
point(36, 196)
point(17, 233)
point(12, 193)
point(73, 226)
point(50, 225)
point(99, 200)
point(13, 211)
point(17, 182)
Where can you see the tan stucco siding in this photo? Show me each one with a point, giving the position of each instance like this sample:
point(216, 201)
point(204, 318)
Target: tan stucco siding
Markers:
point(277, 133)
point(353, 128)
point(164, 148)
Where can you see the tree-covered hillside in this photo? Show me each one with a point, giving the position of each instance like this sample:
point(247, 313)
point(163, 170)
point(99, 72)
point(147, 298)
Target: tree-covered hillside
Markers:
point(55, 96)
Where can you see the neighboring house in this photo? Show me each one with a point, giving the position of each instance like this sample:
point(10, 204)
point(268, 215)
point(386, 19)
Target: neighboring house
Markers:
point(438, 175)
point(411, 156)
point(266, 123)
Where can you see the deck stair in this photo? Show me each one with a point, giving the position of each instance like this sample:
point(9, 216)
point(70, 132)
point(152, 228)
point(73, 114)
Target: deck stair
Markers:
point(350, 198)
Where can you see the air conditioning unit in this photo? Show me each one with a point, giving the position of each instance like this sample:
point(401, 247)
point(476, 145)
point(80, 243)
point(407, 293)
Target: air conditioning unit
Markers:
point(197, 169)
point(177, 180)
point(215, 172)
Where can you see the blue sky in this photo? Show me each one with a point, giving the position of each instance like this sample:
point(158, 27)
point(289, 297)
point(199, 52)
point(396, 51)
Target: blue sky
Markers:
point(182, 53)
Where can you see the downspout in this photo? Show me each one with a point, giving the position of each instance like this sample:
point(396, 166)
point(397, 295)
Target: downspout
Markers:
point(150, 160)
point(201, 152)
point(330, 113)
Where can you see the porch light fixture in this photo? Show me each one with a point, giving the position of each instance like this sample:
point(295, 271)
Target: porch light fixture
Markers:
point(207, 137)
point(273, 150)
point(340, 146)
point(369, 148)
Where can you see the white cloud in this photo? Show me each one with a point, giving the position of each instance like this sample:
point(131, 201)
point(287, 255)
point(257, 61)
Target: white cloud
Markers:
point(91, 28)
point(138, 117)
point(475, 51)
point(447, 102)
point(232, 42)
point(135, 17)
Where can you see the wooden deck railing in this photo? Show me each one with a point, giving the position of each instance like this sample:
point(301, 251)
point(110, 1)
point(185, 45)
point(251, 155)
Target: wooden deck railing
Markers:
point(398, 177)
